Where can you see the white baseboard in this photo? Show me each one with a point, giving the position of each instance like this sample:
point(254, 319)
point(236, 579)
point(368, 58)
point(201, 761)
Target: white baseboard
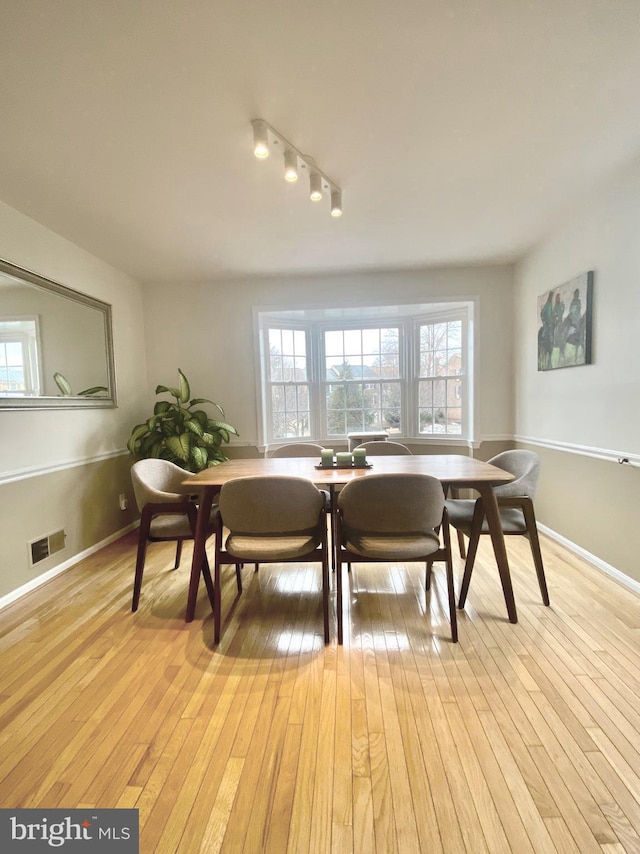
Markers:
point(61, 567)
point(596, 562)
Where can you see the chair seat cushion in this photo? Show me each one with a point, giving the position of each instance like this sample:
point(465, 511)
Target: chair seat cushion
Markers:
point(169, 526)
point(460, 512)
point(407, 546)
point(263, 548)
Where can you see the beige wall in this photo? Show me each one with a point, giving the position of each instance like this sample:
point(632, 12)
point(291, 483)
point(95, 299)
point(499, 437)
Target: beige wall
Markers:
point(66, 468)
point(582, 419)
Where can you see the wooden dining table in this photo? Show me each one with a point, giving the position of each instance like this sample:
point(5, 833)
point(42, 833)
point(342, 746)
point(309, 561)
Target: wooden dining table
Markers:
point(452, 470)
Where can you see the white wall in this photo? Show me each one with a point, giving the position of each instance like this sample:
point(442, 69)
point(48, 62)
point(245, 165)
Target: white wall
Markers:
point(207, 330)
point(595, 405)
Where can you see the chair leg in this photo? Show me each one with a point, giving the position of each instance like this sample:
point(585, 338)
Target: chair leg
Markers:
point(427, 577)
point(178, 554)
point(325, 593)
point(143, 537)
point(474, 539)
point(461, 543)
point(534, 542)
point(239, 576)
point(453, 616)
point(339, 596)
point(206, 574)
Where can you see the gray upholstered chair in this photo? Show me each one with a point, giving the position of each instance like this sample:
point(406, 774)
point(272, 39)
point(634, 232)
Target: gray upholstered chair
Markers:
point(394, 517)
point(271, 519)
point(377, 449)
point(297, 449)
point(167, 513)
point(515, 504)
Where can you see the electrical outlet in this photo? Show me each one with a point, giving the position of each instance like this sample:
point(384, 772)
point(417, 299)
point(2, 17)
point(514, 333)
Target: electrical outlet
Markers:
point(123, 501)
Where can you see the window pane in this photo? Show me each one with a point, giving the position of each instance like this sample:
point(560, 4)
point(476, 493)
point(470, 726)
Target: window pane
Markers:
point(370, 342)
point(352, 342)
point(287, 342)
point(303, 398)
point(275, 362)
point(333, 344)
point(275, 341)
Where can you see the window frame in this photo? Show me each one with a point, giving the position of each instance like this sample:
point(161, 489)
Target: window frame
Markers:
point(408, 318)
point(27, 335)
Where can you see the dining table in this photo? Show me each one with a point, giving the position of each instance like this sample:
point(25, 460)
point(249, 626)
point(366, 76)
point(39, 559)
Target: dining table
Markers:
point(452, 470)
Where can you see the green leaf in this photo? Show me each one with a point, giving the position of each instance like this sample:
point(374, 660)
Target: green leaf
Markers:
point(180, 446)
point(62, 384)
point(137, 433)
point(161, 407)
point(197, 400)
point(194, 426)
point(222, 425)
point(185, 391)
point(201, 416)
point(199, 457)
point(172, 391)
point(217, 455)
point(96, 389)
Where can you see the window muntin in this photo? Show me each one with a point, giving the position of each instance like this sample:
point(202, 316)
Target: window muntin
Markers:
point(407, 372)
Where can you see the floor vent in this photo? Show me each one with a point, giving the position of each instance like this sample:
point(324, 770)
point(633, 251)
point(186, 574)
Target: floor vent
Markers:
point(43, 547)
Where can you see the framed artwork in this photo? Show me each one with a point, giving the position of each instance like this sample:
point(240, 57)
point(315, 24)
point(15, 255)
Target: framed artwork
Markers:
point(565, 316)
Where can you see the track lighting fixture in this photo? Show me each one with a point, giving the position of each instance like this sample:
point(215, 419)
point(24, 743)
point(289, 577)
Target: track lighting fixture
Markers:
point(266, 138)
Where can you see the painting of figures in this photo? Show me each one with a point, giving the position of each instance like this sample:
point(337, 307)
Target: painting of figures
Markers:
point(564, 324)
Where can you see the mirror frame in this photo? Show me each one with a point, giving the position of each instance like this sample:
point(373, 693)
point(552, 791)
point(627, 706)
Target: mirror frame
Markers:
point(63, 401)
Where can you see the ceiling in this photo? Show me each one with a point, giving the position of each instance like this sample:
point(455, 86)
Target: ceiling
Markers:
point(459, 130)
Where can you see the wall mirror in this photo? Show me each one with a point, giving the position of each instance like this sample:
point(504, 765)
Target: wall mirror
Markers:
point(56, 345)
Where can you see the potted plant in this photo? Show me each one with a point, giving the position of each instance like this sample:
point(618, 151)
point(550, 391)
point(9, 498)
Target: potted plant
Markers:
point(182, 432)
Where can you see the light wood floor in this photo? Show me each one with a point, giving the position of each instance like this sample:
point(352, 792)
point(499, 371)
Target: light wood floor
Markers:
point(521, 738)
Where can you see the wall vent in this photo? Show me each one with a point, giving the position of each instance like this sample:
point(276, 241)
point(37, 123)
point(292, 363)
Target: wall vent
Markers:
point(45, 546)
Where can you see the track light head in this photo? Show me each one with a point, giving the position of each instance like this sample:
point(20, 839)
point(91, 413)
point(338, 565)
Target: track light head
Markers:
point(290, 165)
point(336, 202)
point(260, 139)
point(315, 187)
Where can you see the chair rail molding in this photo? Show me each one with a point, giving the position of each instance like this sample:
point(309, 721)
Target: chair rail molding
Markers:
point(38, 471)
point(623, 457)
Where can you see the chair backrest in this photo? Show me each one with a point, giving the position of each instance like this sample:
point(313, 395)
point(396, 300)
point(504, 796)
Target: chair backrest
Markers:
point(378, 449)
point(270, 504)
point(158, 482)
point(298, 449)
point(392, 503)
point(524, 466)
